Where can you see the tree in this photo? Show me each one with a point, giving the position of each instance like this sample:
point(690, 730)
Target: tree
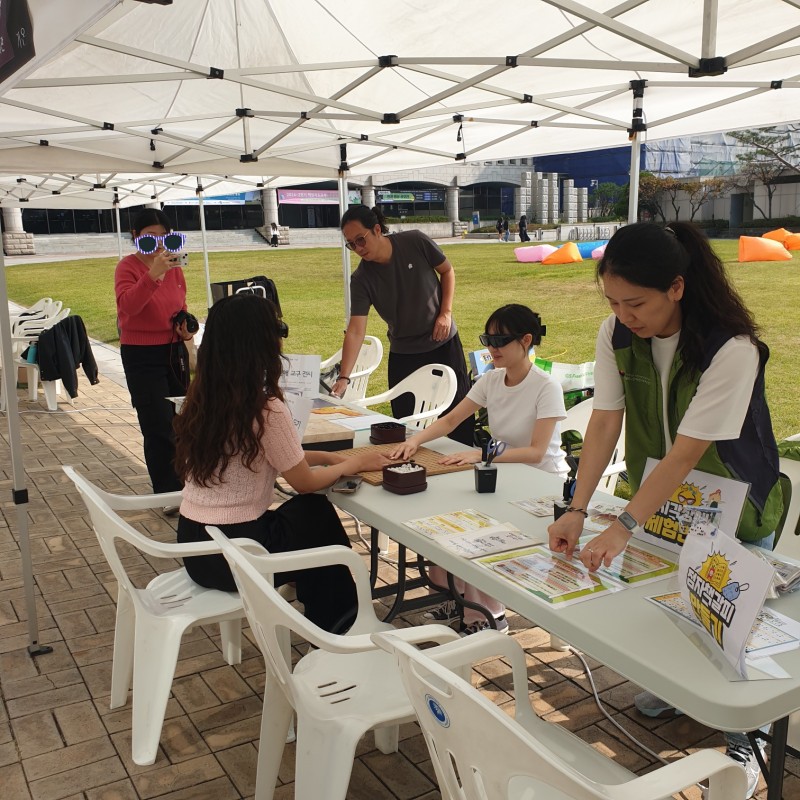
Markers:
point(605, 196)
point(771, 153)
point(703, 191)
point(651, 188)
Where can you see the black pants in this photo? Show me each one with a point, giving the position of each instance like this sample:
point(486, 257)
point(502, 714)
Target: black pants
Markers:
point(153, 373)
point(451, 353)
point(308, 520)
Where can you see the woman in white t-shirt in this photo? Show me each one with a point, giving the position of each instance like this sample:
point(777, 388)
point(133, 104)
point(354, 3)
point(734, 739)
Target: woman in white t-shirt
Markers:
point(680, 359)
point(525, 406)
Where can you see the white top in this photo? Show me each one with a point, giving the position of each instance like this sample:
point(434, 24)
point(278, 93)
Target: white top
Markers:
point(513, 411)
point(720, 404)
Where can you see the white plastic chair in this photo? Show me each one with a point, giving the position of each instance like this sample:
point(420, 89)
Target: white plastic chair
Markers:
point(433, 386)
point(578, 420)
point(339, 691)
point(25, 331)
point(481, 753)
point(150, 622)
point(368, 360)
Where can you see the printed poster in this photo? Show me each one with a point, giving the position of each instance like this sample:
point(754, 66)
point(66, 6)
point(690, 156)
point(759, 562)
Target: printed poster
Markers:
point(636, 565)
point(724, 584)
point(300, 375)
point(701, 498)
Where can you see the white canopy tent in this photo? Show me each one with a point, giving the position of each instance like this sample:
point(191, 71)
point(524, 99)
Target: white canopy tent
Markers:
point(327, 88)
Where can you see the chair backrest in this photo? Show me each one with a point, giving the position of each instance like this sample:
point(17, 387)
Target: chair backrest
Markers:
point(368, 360)
point(577, 420)
point(486, 766)
point(271, 617)
point(109, 527)
point(31, 327)
point(479, 752)
point(434, 387)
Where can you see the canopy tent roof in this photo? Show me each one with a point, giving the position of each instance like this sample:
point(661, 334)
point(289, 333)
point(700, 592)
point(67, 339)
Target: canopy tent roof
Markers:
point(101, 191)
point(275, 87)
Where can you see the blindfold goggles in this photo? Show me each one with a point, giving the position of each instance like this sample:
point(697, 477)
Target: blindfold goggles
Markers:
point(498, 339)
point(147, 244)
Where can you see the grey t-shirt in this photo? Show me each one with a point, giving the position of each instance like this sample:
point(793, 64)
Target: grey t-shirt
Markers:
point(405, 292)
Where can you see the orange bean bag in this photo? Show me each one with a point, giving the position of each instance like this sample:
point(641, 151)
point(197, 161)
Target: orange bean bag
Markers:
point(566, 254)
point(758, 248)
point(792, 241)
point(779, 235)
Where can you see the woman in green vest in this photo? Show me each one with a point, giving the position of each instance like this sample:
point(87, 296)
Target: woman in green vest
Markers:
point(680, 361)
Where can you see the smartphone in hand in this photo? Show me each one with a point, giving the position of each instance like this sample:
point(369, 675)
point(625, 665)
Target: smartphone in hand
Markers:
point(182, 260)
point(347, 484)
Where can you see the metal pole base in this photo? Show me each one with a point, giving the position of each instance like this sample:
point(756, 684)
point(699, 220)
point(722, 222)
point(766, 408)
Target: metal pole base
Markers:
point(39, 650)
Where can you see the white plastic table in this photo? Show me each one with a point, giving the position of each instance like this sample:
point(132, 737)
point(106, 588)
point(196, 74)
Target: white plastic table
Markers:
point(622, 630)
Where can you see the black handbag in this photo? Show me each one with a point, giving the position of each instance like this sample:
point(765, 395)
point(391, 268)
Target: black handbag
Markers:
point(260, 285)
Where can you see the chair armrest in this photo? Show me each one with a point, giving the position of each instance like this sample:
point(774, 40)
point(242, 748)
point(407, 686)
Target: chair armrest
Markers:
point(374, 400)
point(727, 778)
point(121, 502)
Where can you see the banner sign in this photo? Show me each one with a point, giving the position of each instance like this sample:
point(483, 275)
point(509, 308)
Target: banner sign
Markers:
point(725, 585)
point(317, 197)
point(16, 36)
point(422, 196)
point(701, 498)
point(238, 199)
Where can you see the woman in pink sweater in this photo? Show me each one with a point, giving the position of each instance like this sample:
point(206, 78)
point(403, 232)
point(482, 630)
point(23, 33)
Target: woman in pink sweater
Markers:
point(150, 290)
point(234, 437)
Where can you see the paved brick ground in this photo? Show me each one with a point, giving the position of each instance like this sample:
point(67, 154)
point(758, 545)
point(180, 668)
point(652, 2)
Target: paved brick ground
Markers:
point(58, 738)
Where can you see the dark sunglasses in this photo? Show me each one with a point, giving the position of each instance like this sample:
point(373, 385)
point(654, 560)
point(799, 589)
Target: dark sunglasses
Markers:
point(499, 339)
point(359, 241)
point(148, 244)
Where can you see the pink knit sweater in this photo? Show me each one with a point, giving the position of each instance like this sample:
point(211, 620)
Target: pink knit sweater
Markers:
point(145, 307)
point(245, 494)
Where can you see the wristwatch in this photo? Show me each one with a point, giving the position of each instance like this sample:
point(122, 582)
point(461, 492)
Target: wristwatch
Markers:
point(629, 523)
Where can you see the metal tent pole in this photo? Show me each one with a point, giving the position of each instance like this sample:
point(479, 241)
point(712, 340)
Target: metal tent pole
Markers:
point(343, 169)
point(119, 227)
point(638, 127)
point(199, 192)
point(19, 491)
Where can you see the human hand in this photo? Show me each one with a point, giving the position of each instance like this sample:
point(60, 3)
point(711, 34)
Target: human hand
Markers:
point(339, 387)
point(404, 451)
point(441, 328)
point(565, 532)
point(367, 462)
point(162, 262)
point(604, 548)
point(183, 332)
point(465, 457)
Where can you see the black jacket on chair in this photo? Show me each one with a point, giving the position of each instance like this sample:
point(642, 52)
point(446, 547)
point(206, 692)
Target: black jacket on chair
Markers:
point(60, 350)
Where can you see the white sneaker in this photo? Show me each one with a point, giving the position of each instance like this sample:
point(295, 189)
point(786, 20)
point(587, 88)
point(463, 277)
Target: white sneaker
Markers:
point(171, 511)
point(744, 755)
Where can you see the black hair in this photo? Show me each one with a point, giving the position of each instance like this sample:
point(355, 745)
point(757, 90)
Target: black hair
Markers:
point(150, 216)
point(518, 320)
point(368, 217)
point(241, 348)
point(648, 255)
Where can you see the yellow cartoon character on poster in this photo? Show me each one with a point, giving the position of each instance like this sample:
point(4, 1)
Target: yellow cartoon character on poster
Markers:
point(687, 494)
point(716, 571)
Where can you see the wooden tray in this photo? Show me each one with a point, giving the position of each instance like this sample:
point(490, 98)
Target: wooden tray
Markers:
point(427, 458)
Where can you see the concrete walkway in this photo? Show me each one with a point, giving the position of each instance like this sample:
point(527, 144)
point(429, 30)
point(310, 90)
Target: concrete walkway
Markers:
point(60, 741)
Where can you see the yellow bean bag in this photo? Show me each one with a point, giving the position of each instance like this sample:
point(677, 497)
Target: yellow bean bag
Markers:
point(759, 248)
point(792, 241)
point(779, 235)
point(566, 254)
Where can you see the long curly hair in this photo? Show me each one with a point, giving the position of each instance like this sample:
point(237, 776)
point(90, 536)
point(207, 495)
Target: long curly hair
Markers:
point(239, 366)
point(645, 254)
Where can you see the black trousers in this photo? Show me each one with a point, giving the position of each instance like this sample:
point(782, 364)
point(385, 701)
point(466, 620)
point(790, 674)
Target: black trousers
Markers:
point(451, 353)
point(153, 373)
point(304, 521)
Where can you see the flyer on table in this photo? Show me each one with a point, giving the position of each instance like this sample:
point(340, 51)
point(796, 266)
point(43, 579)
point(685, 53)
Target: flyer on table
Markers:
point(549, 577)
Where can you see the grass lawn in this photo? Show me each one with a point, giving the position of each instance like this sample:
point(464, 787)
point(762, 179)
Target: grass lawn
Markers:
point(487, 276)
